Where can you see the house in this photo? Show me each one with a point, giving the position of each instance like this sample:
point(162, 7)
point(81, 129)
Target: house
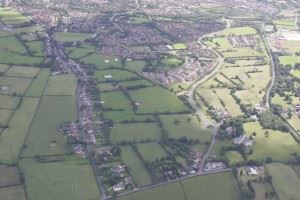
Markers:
point(214, 166)
point(108, 77)
point(239, 140)
point(119, 187)
point(252, 170)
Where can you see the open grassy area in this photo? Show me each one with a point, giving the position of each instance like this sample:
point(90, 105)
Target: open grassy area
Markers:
point(12, 193)
point(61, 85)
point(151, 151)
point(12, 44)
point(135, 132)
point(295, 73)
point(116, 100)
point(9, 102)
point(136, 169)
point(4, 117)
point(7, 57)
point(71, 36)
point(277, 145)
point(284, 180)
point(118, 75)
point(12, 138)
point(135, 65)
point(14, 85)
point(178, 126)
point(208, 187)
point(118, 116)
point(179, 46)
point(11, 16)
point(39, 84)
point(78, 52)
point(68, 180)
point(26, 72)
point(238, 31)
point(36, 48)
point(52, 111)
point(289, 60)
point(157, 99)
point(9, 176)
point(101, 61)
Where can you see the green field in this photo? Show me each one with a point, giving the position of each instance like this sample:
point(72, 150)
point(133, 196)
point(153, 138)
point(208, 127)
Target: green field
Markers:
point(9, 102)
point(26, 72)
point(117, 75)
point(135, 65)
point(52, 111)
point(289, 60)
point(116, 100)
point(4, 117)
point(12, 193)
point(151, 151)
point(238, 31)
point(36, 48)
point(178, 126)
point(9, 176)
point(61, 85)
point(12, 138)
point(67, 180)
point(285, 181)
point(7, 57)
point(71, 36)
point(12, 44)
point(136, 168)
point(101, 61)
point(39, 84)
point(14, 85)
point(157, 99)
point(208, 187)
point(135, 132)
point(179, 46)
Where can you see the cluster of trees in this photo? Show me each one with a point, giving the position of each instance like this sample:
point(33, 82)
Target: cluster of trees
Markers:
point(236, 126)
point(268, 120)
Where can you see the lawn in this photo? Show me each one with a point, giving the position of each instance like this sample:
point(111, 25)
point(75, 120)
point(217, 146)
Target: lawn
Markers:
point(39, 84)
point(296, 73)
point(285, 181)
point(157, 99)
point(117, 75)
point(25, 72)
point(12, 138)
point(135, 132)
point(136, 168)
point(67, 180)
point(14, 85)
point(52, 111)
point(178, 126)
point(71, 36)
point(277, 145)
point(61, 85)
point(151, 151)
point(8, 102)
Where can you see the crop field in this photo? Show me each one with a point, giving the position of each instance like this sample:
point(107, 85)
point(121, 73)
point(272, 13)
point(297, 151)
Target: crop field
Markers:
point(136, 168)
point(284, 180)
point(68, 180)
point(135, 132)
point(151, 151)
point(71, 37)
point(25, 72)
point(101, 61)
point(12, 138)
point(117, 75)
point(178, 126)
point(12, 193)
point(54, 86)
point(157, 99)
point(39, 84)
point(277, 145)
point(52, 111)
point(210, 187)
point(14, 85)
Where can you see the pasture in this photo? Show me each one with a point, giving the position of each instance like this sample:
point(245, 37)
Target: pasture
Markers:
point(39, 84)
point(43, 137)
point(151, 151)
point(136, 168)
point(116, 100)
point(13, 193)
point(61, 85)
point(12, 138)
point(284, 180)
point(25, 72)
point(289, 60)
point(14, 85)
point(9, 102)
point(157, 99)
point(9, 176)
point(101, 61)
point(189, 126)
point(71, 36)
point(68, 180)
point(135, 132)
point(7, 57)
point(117, 75)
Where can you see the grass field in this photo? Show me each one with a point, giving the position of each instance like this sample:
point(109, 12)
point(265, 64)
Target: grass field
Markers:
point(157, 99)
point(14, 85)
point(285, 181)
point(289, 60)
point(179, 46)
point(238, 31)
point(135, 83)
point(12, 138)
point(118, 75)
point(134, 132)
point(136, 168)
point(36, 48)
point(4, 117)
point(178, 126)
point(101, 61)
point(9, 176)
point(116, 100)
point(71, 36)
point(7, 57)
point(61, 85)
point(9, 102)
point(118, 116)
point(12, 44)
point(277, 145)
point(52, 111)
point(26, 72)
point(208, 187)
point(68, 180)
point(39, 84)
point(295, 73)
point(135, 65)
point(151, 151)
point(78, 52)
point(12, 193)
